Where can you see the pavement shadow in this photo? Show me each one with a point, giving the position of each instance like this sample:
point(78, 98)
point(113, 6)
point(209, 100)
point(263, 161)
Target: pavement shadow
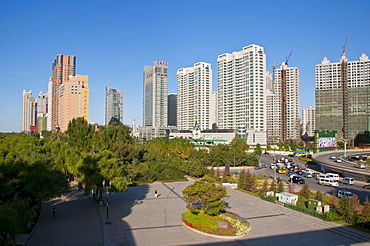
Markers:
point(317, 238)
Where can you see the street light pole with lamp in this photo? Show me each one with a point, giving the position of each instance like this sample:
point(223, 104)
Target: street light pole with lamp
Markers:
point(107, 187)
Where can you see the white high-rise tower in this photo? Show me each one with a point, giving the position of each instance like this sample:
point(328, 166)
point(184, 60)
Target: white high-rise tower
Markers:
point(242, 89)
point(194, 89)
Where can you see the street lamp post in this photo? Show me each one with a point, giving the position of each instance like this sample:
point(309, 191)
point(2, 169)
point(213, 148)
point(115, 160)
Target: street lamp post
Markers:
point(107, 187)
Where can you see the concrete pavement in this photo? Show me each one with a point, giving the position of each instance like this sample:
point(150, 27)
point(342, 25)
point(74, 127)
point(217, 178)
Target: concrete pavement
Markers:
point(77, 222)
point(139, 219)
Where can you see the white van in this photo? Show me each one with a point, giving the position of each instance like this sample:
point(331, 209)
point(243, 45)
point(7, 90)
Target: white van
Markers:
point(322, 176)
point(327, 181)
point(333, 176)
point(347, 180)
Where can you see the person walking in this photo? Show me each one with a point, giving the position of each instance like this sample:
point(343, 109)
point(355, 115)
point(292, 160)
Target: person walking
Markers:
point(54, 211)
point(155, 193)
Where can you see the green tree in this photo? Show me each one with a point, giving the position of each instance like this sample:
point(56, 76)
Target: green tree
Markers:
point(80, 134)
point(208, 193)
point(180, 147)
point(365, 213)
point(346, 211)
point(305, 192)
point(318, 195)
point(281, 187)
point(247, 181)
point(240, 144)
point(273, 186)
point(264, 187)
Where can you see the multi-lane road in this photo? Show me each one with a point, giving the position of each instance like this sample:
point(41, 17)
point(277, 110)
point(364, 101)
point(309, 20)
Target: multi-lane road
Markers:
point(312, 182)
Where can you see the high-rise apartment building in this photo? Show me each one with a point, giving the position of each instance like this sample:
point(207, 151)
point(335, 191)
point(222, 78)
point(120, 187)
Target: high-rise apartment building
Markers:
point(283, 104)
point(155, 94)
point(113, 106)
point(74, 100)
point(34, 112)
point(194, 89)
point(242, 89)
point(28, 111)
point(343, 92)
point(172, 109)
point(62, 67)
point(308, 121)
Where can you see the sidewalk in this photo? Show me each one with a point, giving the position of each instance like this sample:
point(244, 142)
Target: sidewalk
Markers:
point(77, 222)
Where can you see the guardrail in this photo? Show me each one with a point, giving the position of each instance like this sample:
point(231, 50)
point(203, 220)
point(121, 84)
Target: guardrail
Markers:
point(344, 170)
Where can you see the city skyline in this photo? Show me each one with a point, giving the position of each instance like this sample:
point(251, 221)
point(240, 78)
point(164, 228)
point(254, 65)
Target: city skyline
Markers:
point(112, 46)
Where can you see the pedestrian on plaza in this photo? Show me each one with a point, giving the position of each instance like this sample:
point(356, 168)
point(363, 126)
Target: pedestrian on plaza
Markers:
point(54, 211)
point(155, 193)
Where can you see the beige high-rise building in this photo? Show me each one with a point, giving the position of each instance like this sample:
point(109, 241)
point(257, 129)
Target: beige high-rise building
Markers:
point(62, 67)
point(73, 100)
point(28, 111)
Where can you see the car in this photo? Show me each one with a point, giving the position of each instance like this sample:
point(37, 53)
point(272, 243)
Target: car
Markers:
point(338, 160)
point(289, 173)
point(299, 172)
point(298, 180)
point(333, 157)
point(307, 175)
point(366, 186)
point(257, 167)
point(345, 194)
point(359, 165)
point(263, 165)
point(291, 155)
point(347, 180)
point(266, 153)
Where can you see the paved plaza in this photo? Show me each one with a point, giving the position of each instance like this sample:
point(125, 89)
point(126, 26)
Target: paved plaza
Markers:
point(138, 218)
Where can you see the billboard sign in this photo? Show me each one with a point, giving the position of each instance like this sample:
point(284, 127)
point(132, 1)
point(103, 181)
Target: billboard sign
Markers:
point(327, 142)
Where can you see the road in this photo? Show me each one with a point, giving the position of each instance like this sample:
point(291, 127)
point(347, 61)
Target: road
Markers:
point(312, 182)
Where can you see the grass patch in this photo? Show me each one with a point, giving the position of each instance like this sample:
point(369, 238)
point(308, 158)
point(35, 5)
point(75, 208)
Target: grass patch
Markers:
point(236, 225)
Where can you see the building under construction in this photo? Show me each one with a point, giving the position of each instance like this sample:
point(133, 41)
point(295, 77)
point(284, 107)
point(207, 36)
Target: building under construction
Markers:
point(343, 96)
point(283, 104)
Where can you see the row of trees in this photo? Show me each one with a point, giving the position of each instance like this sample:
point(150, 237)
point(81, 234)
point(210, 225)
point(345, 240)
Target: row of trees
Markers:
point(35, 168)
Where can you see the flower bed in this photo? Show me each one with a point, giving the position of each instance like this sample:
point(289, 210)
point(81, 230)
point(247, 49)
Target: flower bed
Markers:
point(235, 226)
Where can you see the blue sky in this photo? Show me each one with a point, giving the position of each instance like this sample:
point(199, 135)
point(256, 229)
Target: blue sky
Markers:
point(114, 39)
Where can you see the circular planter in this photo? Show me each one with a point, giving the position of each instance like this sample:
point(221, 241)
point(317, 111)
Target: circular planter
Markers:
point(216, 236)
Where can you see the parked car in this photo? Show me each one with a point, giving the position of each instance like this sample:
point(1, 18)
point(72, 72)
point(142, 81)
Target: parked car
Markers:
point(347, 180)
point(345, 194)
point(298, 180)
point(359, 165)
point(366, 186)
